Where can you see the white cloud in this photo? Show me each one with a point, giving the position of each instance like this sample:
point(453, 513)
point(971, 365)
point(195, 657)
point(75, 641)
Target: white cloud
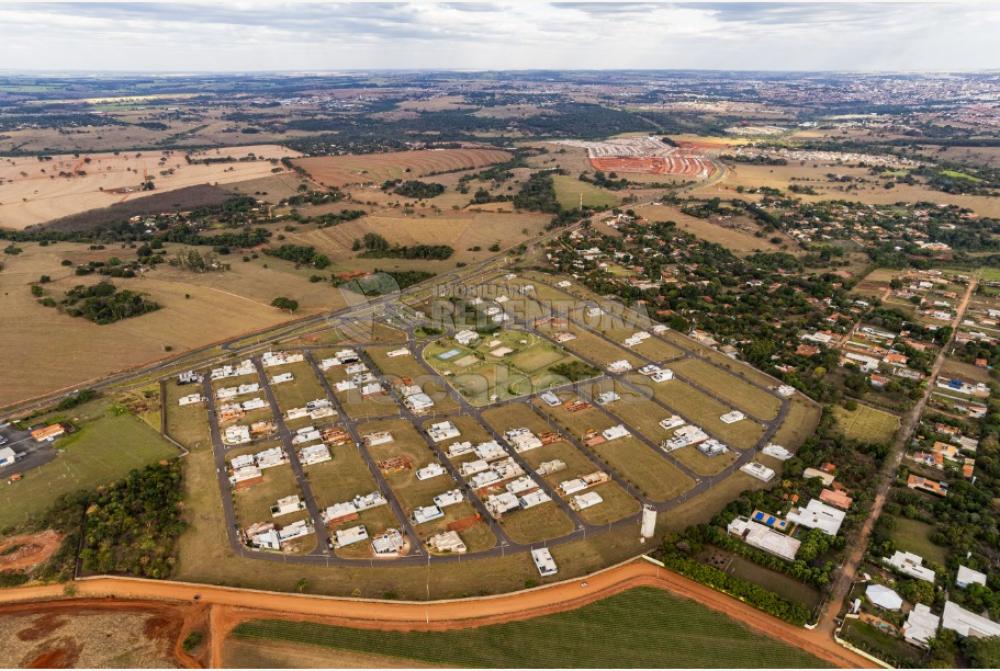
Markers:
point(243, 36)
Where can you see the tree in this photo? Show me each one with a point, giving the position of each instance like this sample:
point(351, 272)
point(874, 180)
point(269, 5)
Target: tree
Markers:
point(285, 303)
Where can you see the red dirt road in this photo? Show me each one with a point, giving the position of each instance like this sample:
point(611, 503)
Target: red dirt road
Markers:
point(231, 606)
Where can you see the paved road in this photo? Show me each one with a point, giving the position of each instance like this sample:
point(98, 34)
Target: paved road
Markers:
point(859, 543)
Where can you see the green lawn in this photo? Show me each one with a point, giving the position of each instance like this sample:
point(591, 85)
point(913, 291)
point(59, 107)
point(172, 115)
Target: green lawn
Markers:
point(568, 190)
point(866, 423)
point(914, 536)
point(639, 628)
point(103, 451)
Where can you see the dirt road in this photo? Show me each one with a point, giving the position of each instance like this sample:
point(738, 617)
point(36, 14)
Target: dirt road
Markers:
point(859, 544)
point(231, 606)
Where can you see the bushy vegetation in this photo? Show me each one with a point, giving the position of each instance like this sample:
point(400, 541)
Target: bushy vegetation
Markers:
point(377, 247)
point(574, 371)
point(103, 304)
point(132, 527)
point(538, 194)
point(300, 255)
point(414, 188)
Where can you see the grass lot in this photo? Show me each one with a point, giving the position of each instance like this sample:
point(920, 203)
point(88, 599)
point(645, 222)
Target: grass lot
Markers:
point(103, 451)
point(866, 423)
point(740, 394)
point(569, 189)
point(703, 410)
point(647, 469)
point(914, 536)
point(800, 422)
point(888, 648)
point(614, 633)
point(305, 387)
point(537, 524)
point(188, 425)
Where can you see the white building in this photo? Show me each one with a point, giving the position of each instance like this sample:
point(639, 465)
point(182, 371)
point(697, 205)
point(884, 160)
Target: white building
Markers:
point(377, 438)
point(238, 434)
point(615, 432)
point(620, 366)
point(964, 623)
point(671, 422)
point(921, 626)
point(732, 417)
point(550, 399)
point(818, 515)
point(419, 403)
point(281, 378)
point(490, 451)
point(314, 454)
point(586, 500)
point(967, 576)
point(448, 498)
point(288, 505)
point(764, 538)
point(345, 537)
point(473, 467)
point(777, 451)
point(447, 541)
point(522, 439)
point(190, 399)
point(458, 449)
point(662, 375)
point(909, 564)
point(270, 458)
point(607, 397)
point(758, 470)
point(498, 504)
point(466, 337)
point(442, 431)
point(429, 471)
point(388, 544)
point(423, 514)
point(544, 562)
point(535, 498)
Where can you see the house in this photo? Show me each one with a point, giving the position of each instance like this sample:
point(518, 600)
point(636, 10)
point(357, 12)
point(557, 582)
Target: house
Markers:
point(423, 514)
point(909, 564)
point(279, 358)
point(684, 436)
point(777, 452)
point(288, 505)
point(764, 538)
point(350, 536)
point(712, 448)
point(927, 485)
point(620, 366)
point(484, 479)
point(818, 515)
point(314, 454)
point(534, 498)
point(48, 433)
point(672, 422)
point(442, 431)
point(263, 535)
point(521, 485)
point(369, 501)
point(238, 434)
point(490, 451)
point(732, 417)
point(282, 378)
point(498, 504)
point(758, 470)
point(550, 399)
point(921, 626)
point(403, 351)
point(339, 512)
point(786, 390)
point(550, 467)
point(447, 541)
point(458, 449)
point(466, 337)
point(883, 597)
point(190, 399)
point(824, 477)
point(662, 375)
point(418, 404)
point(544, 562)
point(377, 438)
point(388, 544)
point(967, 576)
point(522, 439)
point(295, 530)
point(189, 377)
point(586, 500)
point(7, 457)
point(429, 471)
point(837, 498)
point(449, 498)
point(253, 404)
point(615, 432)
point(964, 623)
point(270, 458)
point(472, 467)
point(244, 476)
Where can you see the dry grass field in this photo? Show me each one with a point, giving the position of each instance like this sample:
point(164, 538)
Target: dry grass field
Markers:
point(343, 170)
point(33, 191)
point(45, 350)
point(866, 423)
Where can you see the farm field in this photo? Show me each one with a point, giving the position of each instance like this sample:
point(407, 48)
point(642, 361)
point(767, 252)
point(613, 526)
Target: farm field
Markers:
point(687, 635)
point(34, 191)
point(570, 191)
point(866, 423)
point(343, 170)
point(103, 451)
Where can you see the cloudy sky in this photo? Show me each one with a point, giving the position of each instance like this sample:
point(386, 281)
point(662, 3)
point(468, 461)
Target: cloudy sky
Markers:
point(253, 35)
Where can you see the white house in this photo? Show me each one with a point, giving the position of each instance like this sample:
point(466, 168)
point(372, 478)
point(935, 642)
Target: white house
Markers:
point(909, 564)
point(429, 471)
point(544, 562)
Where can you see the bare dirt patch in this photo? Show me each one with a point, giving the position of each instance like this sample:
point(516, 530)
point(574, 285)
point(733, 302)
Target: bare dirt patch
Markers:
point(25, 552)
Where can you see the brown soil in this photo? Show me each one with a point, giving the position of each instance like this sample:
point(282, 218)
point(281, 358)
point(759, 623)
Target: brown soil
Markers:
point(42, 627)
point(61, 653)
point(31, 550)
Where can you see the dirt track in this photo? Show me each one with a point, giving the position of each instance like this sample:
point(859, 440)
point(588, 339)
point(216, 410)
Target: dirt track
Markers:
point(232, 606)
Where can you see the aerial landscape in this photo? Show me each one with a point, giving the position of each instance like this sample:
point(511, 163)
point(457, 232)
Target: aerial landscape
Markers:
point(427, 334)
